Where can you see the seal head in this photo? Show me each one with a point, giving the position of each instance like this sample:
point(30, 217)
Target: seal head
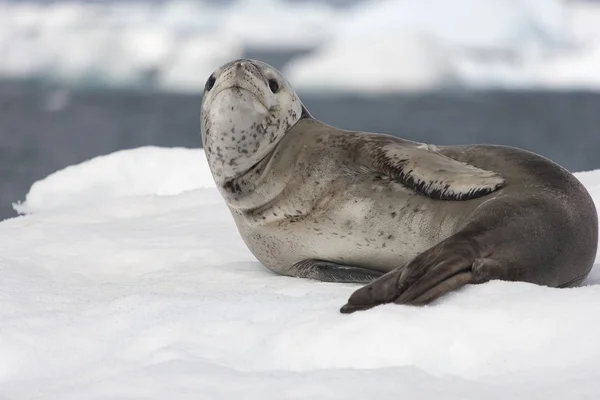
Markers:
point(247, 108)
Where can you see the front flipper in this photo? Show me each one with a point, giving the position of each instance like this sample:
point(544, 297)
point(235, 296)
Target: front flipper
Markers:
point(428, 172)
point(445, 267)
point(331, 272)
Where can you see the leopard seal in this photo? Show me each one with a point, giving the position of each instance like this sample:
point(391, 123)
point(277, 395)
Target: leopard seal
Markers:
point(412, 220)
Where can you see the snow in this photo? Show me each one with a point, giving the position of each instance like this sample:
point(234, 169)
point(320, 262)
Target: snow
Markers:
point(124, 173)
point(419, 64)
point(168, 45)
point(550, 44)
point(127, 278)
point(369, 46)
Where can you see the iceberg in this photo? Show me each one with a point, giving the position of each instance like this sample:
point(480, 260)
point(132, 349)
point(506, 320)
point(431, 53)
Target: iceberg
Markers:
point(370, 46)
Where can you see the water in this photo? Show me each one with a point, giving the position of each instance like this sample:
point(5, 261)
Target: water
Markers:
point(43, 130)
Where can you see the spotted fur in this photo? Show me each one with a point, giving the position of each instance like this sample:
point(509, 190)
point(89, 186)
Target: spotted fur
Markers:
point(315, 201)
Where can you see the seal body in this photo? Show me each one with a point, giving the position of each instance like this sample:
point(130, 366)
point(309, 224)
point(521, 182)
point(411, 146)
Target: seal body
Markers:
point(414, 220)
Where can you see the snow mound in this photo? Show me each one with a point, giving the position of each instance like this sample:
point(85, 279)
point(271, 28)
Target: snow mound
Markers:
point(419, 63)
point(142, 171)
point(147, 291)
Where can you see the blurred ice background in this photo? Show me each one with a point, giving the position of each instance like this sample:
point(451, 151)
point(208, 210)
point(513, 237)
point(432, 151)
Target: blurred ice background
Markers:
point(84, 78)
point(351, 46)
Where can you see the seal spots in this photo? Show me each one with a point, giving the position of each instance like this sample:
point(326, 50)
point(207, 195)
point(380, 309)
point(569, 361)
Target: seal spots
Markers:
point(311, 200)
point(232, 187)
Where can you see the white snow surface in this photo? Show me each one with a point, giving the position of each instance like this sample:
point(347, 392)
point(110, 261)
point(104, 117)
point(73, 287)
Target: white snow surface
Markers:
point(371, 46)
point(145, 171)
point(127, 279)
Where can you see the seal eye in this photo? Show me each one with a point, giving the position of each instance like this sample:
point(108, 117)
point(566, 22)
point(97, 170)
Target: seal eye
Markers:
point(273, 85)
point(210, 83)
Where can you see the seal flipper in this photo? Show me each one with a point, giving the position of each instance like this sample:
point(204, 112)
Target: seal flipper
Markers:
point(445, 267)
point(331, 272)
point(430, 173)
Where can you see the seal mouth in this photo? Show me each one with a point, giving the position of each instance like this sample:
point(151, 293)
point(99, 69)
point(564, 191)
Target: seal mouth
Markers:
point(243, 89)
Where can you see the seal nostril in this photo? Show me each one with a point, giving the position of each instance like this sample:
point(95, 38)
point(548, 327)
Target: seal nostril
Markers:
point(273, 85)
point(210, 83)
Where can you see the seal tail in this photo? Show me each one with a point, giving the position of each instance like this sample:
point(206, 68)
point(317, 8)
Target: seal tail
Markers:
point(326, 271)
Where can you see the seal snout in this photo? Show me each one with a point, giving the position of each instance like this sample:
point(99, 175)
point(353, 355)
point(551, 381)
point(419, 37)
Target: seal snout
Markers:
point(239, 65)
point(247, 67)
